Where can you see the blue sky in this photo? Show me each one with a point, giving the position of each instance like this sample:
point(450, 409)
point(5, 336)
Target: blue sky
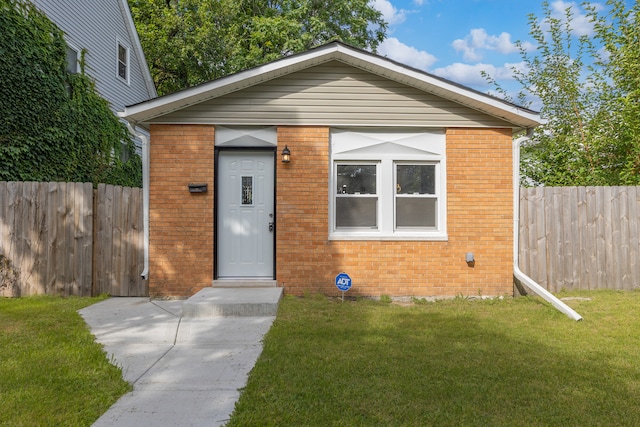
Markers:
point(457, 39)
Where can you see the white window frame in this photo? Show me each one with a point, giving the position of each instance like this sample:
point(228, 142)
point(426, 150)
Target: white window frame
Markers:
point(435, 195)
point(357, 195)
point(387, 149)
point(120, 44)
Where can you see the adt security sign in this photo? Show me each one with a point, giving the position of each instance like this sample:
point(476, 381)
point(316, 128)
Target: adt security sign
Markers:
point(343, 282)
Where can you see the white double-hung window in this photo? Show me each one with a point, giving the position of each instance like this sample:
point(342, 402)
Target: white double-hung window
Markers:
point(388, 185)
point(122, 62)
point(357, 195)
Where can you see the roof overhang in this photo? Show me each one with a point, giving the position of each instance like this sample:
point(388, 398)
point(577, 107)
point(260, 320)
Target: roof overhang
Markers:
point(519, 117)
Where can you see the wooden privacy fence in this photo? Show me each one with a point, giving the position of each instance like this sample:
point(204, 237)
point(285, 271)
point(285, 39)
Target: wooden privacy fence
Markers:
point(580, 237)
point(69, 239)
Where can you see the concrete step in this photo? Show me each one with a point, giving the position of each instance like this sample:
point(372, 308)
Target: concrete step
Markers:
point(233, 302)
point(239, 283)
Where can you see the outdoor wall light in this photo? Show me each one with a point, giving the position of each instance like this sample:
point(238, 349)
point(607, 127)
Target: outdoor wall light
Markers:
point(286, 155)
point(469, 258)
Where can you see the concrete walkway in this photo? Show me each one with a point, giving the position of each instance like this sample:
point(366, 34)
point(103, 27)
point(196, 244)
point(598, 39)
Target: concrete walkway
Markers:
point(185, 370)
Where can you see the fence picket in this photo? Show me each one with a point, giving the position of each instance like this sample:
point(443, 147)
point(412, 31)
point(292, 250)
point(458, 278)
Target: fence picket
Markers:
point(634, 244)
point(591, 256)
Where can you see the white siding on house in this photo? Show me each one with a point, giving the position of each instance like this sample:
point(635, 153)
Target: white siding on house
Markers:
point(96, 26)
point(332, 94)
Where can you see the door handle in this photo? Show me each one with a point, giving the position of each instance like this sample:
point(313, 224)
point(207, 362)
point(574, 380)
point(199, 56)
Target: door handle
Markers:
point(272, 226)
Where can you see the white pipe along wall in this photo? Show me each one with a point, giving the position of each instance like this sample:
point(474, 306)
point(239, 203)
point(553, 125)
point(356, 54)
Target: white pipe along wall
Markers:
point(145, 195)
point(517, 273)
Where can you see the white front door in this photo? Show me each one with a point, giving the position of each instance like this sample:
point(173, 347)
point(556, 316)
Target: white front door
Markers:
point(245, 214)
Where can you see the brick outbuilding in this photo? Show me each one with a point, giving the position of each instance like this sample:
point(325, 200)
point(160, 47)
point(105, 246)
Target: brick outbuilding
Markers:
point(395, 177)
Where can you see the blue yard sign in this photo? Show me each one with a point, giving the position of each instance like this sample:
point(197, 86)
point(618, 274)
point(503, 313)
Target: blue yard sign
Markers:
point(343, 282)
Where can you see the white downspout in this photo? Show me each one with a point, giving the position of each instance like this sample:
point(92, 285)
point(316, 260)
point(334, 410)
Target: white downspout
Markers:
point(145, 196)
point(517, 273)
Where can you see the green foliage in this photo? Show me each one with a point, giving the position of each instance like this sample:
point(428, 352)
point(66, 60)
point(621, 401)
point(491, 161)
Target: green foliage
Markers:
point(589, 99)
point(9, 274)
point(620, 35)
point(55, 126)
point(193, 41)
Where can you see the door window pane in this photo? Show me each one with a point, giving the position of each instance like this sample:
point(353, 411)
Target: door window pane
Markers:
point(247, 190)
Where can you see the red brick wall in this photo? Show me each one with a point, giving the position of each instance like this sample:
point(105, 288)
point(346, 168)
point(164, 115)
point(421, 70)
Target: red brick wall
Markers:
point(180, 223)
point(480, 215)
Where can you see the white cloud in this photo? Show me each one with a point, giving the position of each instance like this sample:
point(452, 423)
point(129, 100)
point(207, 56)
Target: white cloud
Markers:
point(580, 24)
point(390, 13)
point(394, 49)
point(471, 75)
point(478, 40)
point(419, 2)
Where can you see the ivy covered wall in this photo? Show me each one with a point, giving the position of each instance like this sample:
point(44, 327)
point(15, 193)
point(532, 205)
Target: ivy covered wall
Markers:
point(53, 124)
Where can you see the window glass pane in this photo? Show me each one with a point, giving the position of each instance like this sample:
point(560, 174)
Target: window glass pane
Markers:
point(122, 61)
point(416, 179)
point(247, 190)
point(356, 179)
point(122, 70)
point(356, 212)
point(415, 212)
point(72, 60)
point(122, 54)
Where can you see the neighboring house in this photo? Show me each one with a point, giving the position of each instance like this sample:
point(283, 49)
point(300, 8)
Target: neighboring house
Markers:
point(396, 177)
point(105, 32)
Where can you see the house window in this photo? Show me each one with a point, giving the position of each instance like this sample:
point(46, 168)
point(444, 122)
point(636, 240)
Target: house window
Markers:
point(72, 60)
point(123, 62)
point(416, 199)
point(388, 185)
point(356, 198)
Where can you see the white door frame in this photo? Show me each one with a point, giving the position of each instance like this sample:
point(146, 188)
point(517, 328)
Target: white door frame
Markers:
point(218, 209)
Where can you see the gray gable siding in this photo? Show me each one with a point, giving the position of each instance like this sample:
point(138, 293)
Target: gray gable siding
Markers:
point(332, 94)
point(96, 26)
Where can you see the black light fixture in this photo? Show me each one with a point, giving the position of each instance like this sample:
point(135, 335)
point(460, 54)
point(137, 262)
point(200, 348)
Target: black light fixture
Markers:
point(286, 155)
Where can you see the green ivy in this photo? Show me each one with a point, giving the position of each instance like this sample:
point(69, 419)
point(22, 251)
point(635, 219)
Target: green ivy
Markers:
point(53, 125)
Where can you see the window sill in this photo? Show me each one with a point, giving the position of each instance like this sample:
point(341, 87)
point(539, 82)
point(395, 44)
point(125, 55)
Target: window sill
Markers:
point(123, 81)
point(424, 237)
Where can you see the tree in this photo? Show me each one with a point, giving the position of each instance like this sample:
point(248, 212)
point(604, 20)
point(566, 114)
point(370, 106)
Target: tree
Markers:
point(54, 127)
point(591, 132)
point(619, 33)
point(188, 42)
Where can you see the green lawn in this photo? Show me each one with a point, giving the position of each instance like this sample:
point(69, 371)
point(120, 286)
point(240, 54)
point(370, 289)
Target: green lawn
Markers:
point(52, 373)
point(460, 362)
point(511, 362)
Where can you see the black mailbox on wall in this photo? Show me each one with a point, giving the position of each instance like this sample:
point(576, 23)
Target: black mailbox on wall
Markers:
point(197, 188)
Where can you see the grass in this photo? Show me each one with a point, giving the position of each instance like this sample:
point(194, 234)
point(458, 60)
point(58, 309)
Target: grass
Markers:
point(52, 373)
point(510, 362)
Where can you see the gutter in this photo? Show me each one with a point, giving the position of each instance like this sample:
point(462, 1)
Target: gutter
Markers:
point(518, 275)
point(145, 195)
